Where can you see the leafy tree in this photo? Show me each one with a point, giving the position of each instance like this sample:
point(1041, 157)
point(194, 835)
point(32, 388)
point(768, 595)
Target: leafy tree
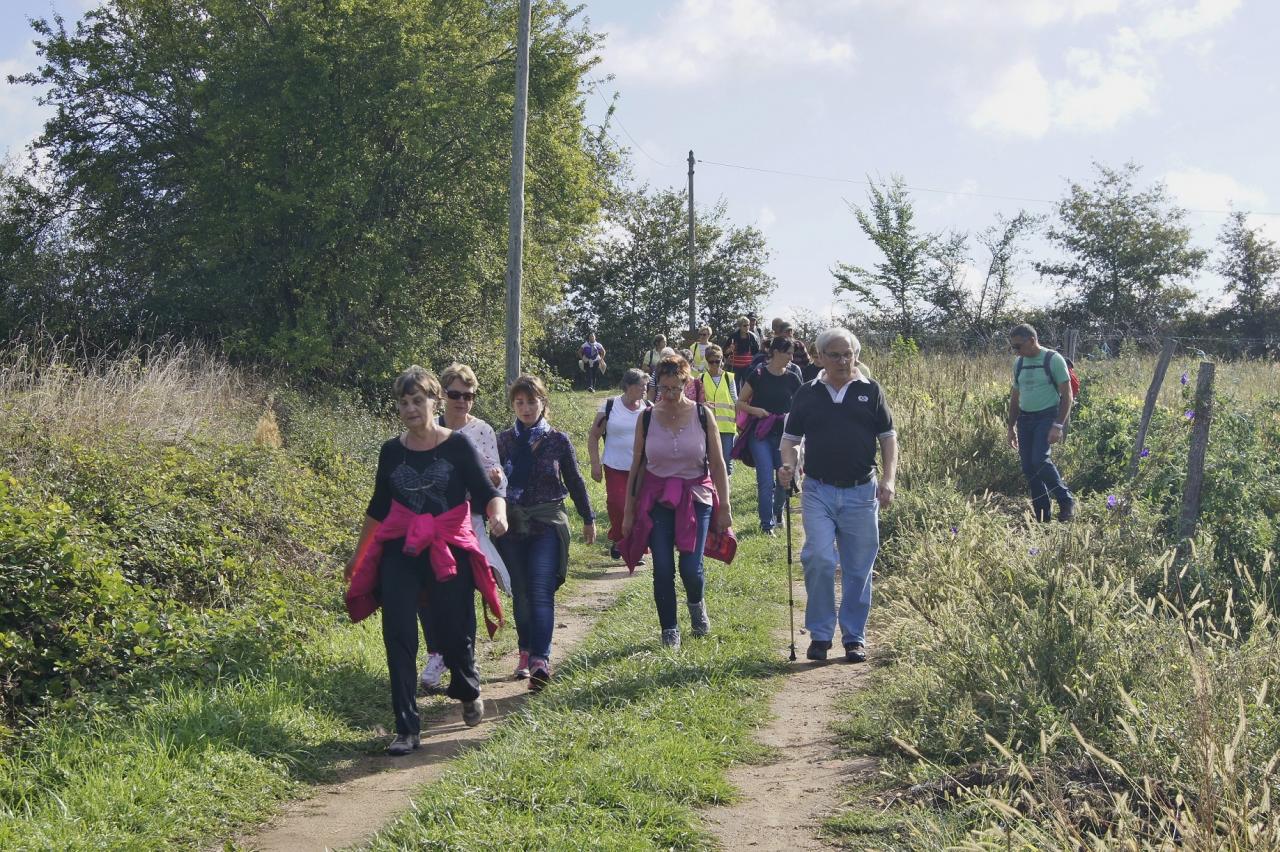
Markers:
point(1128, 252)
point(633, 283)
point(1250, 263)
point(320, 184)
point(899, 287)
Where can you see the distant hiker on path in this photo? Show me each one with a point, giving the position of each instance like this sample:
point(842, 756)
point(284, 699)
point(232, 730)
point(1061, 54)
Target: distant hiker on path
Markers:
point(460, 390)
point(677, 490)
point(592, 357)
point(841, 415)
point(698, 361)
point(541, 469)
point(417, 541)
point(766, 396)
point(615, 423)
point(741, 347)
point(1039, 404)
point(721, 394)
point(649, 362)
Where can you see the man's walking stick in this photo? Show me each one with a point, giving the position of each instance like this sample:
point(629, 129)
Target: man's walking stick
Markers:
point(791, 595)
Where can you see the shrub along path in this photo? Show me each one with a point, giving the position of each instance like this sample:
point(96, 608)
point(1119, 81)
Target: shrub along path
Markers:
point(376, 788)
point(781, 805)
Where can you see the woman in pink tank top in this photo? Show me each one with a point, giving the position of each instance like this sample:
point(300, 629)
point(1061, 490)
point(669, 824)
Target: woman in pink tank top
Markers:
point(677, 489)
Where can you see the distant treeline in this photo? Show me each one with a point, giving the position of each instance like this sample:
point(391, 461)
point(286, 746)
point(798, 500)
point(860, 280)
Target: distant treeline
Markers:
point(322, 189)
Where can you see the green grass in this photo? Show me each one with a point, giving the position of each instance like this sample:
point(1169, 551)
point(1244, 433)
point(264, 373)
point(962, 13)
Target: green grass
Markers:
point(1077, 682)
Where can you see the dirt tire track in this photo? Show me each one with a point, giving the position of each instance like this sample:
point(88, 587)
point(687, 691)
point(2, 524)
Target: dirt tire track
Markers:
point(375, 788)
point(782, 804)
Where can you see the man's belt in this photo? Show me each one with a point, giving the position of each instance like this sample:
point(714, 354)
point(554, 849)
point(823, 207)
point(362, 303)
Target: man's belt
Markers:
point(843, 483)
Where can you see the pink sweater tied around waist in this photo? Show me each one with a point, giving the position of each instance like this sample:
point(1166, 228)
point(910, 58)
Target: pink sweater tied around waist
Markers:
point(675, 493)
point(432, 534)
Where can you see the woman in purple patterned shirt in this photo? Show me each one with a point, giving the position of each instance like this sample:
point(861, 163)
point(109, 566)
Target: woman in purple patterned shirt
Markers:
point(541, 469)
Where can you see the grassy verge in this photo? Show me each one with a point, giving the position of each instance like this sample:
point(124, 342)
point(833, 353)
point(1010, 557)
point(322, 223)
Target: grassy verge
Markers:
point(1064, 687)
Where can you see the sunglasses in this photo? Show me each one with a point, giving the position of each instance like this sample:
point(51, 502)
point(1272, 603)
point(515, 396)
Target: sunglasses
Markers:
point(713, 360)
point(469, 396)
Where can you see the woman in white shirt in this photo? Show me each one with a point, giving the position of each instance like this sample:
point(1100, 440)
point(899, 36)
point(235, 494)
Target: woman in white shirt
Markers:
point(460, 388)
point(616, 422)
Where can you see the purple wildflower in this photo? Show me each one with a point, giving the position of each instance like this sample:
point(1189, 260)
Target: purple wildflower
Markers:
point(1190, 415)
point(1145, 452)
point(1035, 551)
point(955, 530)
point(1112, 501)
point(1185, 378)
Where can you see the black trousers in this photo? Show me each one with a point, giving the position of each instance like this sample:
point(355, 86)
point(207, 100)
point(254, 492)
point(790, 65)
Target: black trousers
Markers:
point(451, 612)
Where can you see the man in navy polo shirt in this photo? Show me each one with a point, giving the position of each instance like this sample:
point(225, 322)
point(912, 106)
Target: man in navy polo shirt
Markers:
point(842, 416)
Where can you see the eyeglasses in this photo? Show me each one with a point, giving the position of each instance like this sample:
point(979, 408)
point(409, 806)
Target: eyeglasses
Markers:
point(670, 391)
point(714, 361)
point(469, 396)
point(838, 356)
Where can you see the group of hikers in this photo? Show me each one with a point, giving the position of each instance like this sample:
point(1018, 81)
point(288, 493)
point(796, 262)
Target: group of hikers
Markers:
point(457, 508)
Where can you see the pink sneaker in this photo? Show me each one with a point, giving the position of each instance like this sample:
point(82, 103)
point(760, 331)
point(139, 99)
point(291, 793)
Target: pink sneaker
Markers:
point(522, 666)
point(540, 675)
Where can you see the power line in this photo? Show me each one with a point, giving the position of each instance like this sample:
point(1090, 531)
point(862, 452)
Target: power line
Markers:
point(1023, 199)
point(613, 109)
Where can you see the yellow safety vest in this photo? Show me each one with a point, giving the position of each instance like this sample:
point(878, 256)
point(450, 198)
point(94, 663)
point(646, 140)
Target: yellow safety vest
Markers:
point(726, 418)
point(700, 357)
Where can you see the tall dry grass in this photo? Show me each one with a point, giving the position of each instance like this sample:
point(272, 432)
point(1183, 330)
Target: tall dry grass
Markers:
point(167, 391)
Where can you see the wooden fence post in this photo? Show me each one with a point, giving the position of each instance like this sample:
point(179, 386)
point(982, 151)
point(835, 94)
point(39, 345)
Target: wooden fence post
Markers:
point(1070, 344)
point(1190, 515)
point(1149, 407)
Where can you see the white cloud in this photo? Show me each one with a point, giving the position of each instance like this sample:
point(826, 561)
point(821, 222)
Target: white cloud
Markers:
point(766, 218)
point(1171, 24)
point(1020, 103)
point(1097, 91)
point(703, 39)
point(1199, 189)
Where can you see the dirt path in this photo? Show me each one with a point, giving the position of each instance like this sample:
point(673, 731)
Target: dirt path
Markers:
point(783, 803)
point(376, 788)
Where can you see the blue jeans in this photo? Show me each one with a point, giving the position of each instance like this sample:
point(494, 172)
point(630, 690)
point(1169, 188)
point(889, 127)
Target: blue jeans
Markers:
point(1043, 479)
point(533, 562)
point(726, 445)
point(843, 521)
point(769, 496)
point(662, 541)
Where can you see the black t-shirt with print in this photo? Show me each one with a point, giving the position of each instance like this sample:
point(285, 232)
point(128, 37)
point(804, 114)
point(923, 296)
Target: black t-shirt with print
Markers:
point(429, 481)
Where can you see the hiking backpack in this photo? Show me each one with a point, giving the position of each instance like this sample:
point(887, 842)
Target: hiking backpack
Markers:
point(1048, 371)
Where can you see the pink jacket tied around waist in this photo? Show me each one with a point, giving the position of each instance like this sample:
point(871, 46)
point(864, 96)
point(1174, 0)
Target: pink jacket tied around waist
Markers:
point(674, 493)
point(432, 534)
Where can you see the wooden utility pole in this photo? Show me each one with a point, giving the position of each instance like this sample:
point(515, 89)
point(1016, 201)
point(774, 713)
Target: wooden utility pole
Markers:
point(1190, 515)
point(515, 203)
point(1149, 407)
point(693, 259)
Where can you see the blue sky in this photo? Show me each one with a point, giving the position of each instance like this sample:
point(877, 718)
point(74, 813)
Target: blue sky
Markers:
point(973, 97)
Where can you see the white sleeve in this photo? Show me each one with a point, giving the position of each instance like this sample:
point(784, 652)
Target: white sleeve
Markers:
point(486, 444)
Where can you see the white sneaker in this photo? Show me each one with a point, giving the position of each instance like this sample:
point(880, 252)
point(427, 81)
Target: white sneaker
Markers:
point(433, 671)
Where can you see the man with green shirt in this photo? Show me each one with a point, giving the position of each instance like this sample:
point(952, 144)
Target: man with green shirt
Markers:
point(1038, 407)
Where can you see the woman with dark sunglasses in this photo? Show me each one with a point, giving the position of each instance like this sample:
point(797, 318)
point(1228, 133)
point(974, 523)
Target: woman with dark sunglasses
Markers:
point(460, 390)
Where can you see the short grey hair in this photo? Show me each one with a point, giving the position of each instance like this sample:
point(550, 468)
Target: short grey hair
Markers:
point(634, 376)
point(1023, 331)
point(832, 334)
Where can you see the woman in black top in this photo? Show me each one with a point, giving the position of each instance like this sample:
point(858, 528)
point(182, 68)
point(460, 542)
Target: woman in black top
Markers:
point(428, 470)
point(740, 348)
point(766, 392)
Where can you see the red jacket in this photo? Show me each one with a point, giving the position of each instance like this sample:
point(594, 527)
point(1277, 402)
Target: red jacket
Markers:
point(433, 534)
